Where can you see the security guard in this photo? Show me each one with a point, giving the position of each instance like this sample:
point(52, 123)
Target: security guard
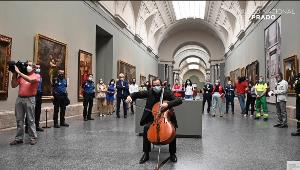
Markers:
point(88, 96)
point(207, 95)
point(60, 99)
point(297, 90)
point(229, 95)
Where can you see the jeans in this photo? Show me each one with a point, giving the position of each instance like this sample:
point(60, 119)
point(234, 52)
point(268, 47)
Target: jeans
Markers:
point(241, 98)
point(189, 97)
point(281, 112)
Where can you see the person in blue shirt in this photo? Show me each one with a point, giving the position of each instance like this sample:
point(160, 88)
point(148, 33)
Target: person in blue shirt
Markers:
point(122, 93)
point(60, 100)
point(110, 96)
point(88, 96)
point(229, 95)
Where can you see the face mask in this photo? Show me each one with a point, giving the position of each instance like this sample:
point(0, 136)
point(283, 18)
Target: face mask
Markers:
point(157, 89)
point(217, 84)
point(29, 69)
point(60, 76)
point(229, 83)
point(260, 80)
point(112, 83)
point(37, 70)
point(90, 78)
point(133, 82)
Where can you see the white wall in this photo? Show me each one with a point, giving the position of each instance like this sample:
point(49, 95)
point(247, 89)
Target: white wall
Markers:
point(73, 23)
point(251, 47)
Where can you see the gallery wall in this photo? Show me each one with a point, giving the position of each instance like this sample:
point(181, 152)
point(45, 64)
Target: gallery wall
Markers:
point(251, 47)
point(73, 23)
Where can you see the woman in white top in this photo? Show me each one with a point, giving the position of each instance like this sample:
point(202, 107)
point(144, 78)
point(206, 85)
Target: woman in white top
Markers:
point(188, 89)
point(101, 98)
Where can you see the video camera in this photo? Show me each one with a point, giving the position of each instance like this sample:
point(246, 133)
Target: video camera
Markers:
point(22, 66)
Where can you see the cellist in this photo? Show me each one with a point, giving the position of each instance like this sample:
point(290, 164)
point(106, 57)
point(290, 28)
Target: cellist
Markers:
point(153, 96)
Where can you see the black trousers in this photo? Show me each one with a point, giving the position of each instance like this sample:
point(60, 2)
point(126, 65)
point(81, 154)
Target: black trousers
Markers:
point(298, 111)
point(147, 144)
point(250, 101)
point(37, 111)
point(87, 105)
point(230, 100)
point(207, 98)
point(59, 104)
point(119, 99)
point(131, 107)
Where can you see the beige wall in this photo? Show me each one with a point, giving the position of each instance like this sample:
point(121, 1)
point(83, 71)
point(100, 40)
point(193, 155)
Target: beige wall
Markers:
point(71, 22)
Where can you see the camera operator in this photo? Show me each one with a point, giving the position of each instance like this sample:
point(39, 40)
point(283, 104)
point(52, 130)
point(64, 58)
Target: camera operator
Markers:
point(60, 99)
point(297, 90)
point(25, 103)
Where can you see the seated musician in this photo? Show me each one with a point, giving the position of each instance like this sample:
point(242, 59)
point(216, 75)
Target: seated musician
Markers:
point(153, 96)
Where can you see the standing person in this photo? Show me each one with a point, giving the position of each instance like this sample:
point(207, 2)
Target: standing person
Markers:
point(261, 101)
point(88, 97)
point(218, 98)
point(280, 92)
point(207, 95)
point(110, 96)
point(188, 89)
point(176, 88)
point(229, 95)
point(122, 93)
point(297, 91)
point(251, 96)
point(101, 97)
point(153, 96)
point(25, 103)
point(133, 87)
point(60, 99)
point(241, 87)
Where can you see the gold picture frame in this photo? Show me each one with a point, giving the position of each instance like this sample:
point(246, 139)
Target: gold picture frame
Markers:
point(51, 55)
point(85, 67)
point(291, 69)
point(127, 69)
point(5, 56)
point(143, 79)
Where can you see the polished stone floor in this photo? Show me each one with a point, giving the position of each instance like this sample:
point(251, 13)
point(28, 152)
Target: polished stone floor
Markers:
point(231, 142)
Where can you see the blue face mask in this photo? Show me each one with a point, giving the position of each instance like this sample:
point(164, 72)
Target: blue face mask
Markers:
point(157, 89)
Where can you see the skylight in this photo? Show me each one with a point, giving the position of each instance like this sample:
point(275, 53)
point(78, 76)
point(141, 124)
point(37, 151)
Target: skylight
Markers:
point(193, 66)
point(193, 60)
point(189, 9)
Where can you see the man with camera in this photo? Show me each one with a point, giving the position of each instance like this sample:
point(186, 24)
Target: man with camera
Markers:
point(60, 99)
point(25, 103)
point(297, 90)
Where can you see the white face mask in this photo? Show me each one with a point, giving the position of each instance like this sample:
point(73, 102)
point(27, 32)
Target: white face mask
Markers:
point(29, 69)
point(37, 70)
point(90, 78)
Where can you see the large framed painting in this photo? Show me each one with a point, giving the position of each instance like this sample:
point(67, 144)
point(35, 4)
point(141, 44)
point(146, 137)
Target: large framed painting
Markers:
point(52, 56)
point(243, 71)
point(291, 69)
point(143, 79)
point(84, 69)
point(252, 71)
point(272, 43)
point(235, 74)
point(150, 78)
point(127, 69)
point(5, 55)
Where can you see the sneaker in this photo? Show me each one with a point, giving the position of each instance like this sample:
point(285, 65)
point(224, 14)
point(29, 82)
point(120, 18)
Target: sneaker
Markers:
point(213, 115)
point(64, 124)
point(245, 115)
point(251, 115)
point(56, 126)
point(33, 141)
point(16, 142)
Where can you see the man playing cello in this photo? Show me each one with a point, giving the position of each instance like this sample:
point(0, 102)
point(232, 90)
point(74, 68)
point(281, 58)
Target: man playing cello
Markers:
point(153, 96)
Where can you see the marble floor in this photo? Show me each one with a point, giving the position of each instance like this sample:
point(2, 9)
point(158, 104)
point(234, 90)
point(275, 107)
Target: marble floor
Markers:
point(231, 142)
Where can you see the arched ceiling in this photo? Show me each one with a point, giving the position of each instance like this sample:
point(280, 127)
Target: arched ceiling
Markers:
point(225, 19)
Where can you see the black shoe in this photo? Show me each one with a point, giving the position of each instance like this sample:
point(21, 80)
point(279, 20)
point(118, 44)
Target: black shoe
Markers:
point(173, 157)
point(125, 116)
point(283, 126)
point(85, 119)
point(296, 133)
point(118, 116)
point(39, 129)
point(144, 158)
point(90, 118)
point(33, 141)
point(277, 125)
point(56, 126)
point(233, 113)
point(64, 124)
point(16, 142)
point(26, 129)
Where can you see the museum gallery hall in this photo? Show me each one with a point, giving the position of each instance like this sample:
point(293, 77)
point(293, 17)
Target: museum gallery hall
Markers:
point(131, 85)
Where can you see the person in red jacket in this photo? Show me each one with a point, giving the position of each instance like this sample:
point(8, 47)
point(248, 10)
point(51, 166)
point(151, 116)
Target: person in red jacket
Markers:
point(177, 88)
point(241, 90)
point(218, 98)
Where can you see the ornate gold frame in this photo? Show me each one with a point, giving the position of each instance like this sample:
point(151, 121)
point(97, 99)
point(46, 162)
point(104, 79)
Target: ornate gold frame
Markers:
point(8, 40)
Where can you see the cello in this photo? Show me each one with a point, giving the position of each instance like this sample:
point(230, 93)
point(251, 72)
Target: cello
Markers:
point(161, 131)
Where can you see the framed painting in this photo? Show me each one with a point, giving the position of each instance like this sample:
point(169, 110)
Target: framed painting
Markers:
point(291, 69)
point(234, 75)
point(52, 56)
point(243, 71)
point(128, 70)
point(84, 69)
point(252, 71)
point(150, 78)
point(143, 79)
point(272, 46)
point(5, 55)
